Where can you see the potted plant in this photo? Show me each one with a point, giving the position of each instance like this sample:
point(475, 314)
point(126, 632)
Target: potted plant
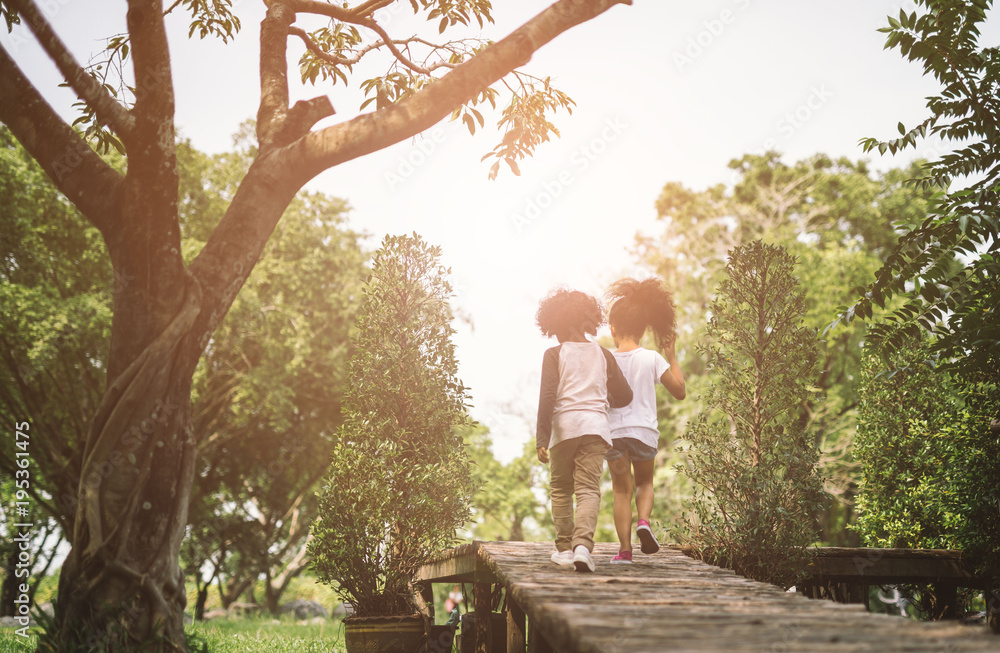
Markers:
point(400, 482)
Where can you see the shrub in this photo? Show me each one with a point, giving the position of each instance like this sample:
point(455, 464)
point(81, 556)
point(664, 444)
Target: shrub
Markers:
point(930, 462)
point(400, 483)
point(753, 465)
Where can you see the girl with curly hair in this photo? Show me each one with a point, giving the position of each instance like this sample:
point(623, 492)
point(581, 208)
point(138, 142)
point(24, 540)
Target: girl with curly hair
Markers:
point(580, 379)
point(637, 306)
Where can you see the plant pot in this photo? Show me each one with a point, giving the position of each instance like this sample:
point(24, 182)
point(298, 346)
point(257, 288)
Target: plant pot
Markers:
point(441, 639)
point(498, 632)
point(402, 634)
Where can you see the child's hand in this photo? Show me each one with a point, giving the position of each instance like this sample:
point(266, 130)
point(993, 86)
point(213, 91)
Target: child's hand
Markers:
point(543, 454)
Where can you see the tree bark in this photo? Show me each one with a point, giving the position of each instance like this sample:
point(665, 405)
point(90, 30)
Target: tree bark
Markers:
point(122, 579)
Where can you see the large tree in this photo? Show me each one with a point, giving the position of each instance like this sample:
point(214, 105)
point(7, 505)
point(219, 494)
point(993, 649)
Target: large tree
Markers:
point(122, 573)
point(266, 394)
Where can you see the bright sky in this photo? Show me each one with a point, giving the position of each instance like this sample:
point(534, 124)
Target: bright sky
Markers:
point(665, 91)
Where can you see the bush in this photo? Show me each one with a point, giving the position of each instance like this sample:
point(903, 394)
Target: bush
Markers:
point(400, 482)
point(753, 466)
point(930, 463)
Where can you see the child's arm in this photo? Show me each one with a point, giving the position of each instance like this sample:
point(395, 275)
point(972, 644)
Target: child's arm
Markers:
point(619, 392)
point(547, 402)
point(673, 379)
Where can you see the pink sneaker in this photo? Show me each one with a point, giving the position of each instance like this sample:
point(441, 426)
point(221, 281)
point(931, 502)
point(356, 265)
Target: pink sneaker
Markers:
point(623, 558)
point(645, 533)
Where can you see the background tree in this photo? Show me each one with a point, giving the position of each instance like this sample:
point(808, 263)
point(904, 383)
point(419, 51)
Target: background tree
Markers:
point(507, 505)
point(947, 268)
point(128, 529)
point(835, 217)
point(55, 285)
point(400, 483)
point(753, 466)
point(267, 393)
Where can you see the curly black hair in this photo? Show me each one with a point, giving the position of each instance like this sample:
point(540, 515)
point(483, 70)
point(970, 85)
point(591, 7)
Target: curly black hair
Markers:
point(562, 311)
point(639, 305)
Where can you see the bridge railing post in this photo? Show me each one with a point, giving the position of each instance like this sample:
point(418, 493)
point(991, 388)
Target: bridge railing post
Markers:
point(482, 593)
point(515, 627)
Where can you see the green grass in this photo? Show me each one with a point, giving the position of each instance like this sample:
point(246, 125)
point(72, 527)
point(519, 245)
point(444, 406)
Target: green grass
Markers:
point(11, 642)
point(234, 636)
point(268, 635)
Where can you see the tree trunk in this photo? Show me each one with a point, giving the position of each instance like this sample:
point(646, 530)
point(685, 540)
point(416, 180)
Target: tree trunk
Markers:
point(199, 606)
point(516, 529)
point(9, 587)
point(122, 585)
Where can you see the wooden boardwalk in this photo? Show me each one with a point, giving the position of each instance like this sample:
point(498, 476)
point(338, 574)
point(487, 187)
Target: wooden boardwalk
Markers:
point(670, 602)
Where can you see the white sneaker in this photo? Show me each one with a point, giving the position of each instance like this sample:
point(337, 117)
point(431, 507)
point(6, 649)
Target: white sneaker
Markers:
point(582, 559)
point(563, 558)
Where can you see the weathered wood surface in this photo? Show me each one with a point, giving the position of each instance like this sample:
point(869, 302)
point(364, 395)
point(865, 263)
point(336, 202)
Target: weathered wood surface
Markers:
point(885, 566)
point(458, 565)
point(670, 602)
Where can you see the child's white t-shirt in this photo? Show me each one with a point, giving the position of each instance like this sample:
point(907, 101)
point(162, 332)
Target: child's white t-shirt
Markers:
point(642, 369)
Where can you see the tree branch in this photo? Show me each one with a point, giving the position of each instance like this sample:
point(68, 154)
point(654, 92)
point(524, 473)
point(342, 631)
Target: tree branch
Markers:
point(75, 169)
point(273, 71)
point(370, 7)
point(347, 16)
point(107, 109)
point(337, 60)
point(236, 243)
point(318, 151)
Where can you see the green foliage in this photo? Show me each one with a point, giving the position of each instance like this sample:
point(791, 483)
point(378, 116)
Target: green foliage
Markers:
point(267, 392)
point(833, 215)
point(506, 506)
point(400, 482)
point(947, 267)
point(55, 287)
point(335, 48)
point(930, 461)
point(524, 121)
point(266, 397)
point(757, 492)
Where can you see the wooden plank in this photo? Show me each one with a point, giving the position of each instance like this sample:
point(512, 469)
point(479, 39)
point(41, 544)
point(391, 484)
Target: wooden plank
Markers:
point(463, 564)
point(908, 554)
point(897, 569)
point(481, 595)
point(671, 602)
point(536, 640)
point(426, 602)
point(515, 627)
